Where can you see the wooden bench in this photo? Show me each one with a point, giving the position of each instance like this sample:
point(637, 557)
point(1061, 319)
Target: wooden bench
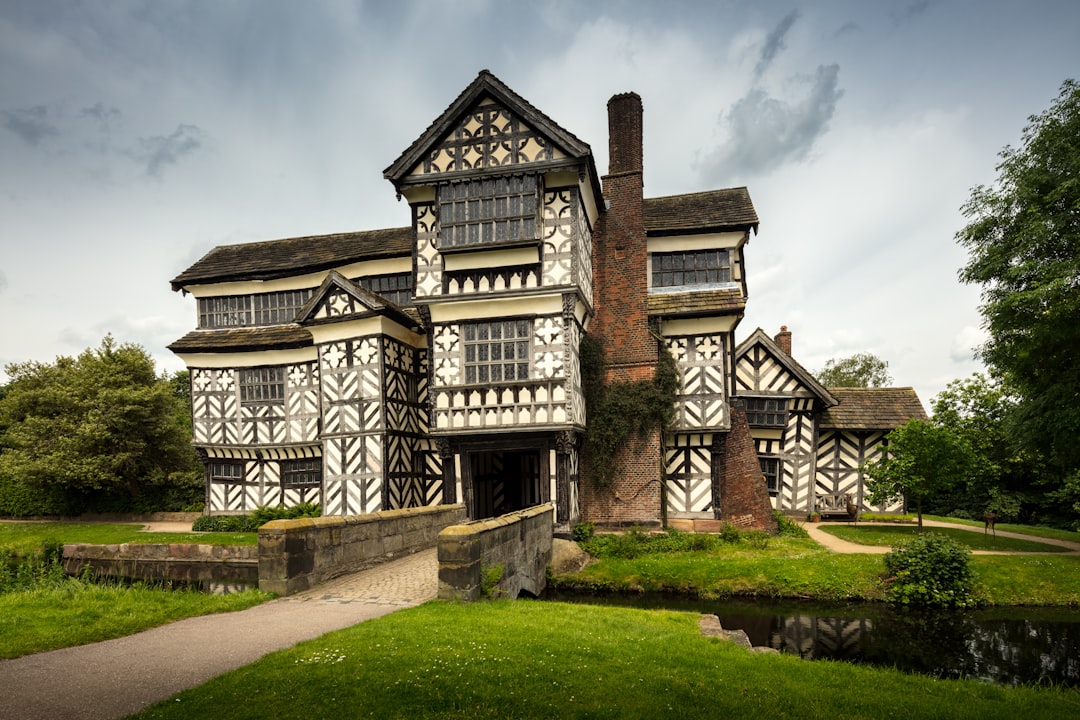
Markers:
point(836, 505)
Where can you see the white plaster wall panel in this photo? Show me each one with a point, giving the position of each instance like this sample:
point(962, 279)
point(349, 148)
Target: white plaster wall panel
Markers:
point(558, 230)
point(446, 349)
point(702, 401)
point(840, 454)
point(428, 258)
point(583, 274)
point(577, 391)
point(302, 402)
point(548, 348)
point(688, 473)
point(757, 371)
point(214, 407)
point(337, 304)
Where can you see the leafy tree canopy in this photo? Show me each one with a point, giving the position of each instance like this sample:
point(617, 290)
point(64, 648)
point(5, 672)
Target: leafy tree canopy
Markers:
point(1023, 240)
point(923, 459)
point(861, 370)
point(99, 424)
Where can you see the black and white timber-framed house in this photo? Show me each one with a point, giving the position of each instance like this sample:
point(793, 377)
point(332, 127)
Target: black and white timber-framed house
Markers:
point(438, 362)
point(813, 441)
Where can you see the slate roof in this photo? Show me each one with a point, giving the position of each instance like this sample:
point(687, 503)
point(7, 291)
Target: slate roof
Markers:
point(294, 256)
point(872, 408)
point(277, 337)
point(696, 302)
point(714, 210)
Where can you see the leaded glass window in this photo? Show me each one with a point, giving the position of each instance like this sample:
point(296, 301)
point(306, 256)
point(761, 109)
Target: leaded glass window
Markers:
point(497, 351)
point(301, 473)
point(770, 469)
point(262, 385)
point(697, 267)
point(273, 308)
point(397, 288)
point(488, 211)
point(766, 412)
point(226, 470)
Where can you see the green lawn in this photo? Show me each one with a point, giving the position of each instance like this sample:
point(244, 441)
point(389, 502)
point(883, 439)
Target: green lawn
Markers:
point(62, 612)
point(520, 659)
point(890, 535)
point(76, 613)
point(1039, 531)
point(788, 567)
point(25, 537)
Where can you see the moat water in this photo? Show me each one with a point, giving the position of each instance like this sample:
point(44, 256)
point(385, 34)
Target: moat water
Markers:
point(1008, 646)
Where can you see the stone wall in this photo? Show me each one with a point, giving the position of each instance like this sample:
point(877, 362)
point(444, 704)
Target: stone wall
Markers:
point(519, 543)
point(166, 561)
point(295, 555)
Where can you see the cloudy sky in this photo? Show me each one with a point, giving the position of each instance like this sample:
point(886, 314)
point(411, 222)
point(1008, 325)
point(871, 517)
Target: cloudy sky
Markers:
point(135, 136)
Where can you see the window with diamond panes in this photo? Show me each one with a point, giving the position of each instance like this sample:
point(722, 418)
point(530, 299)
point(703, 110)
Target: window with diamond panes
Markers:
point(397, 288)
point(770, 469)
point(301, 473)
point(497, 351)
point(262, 385)
point(766, 412)
point(488, 211)
point(698, 267)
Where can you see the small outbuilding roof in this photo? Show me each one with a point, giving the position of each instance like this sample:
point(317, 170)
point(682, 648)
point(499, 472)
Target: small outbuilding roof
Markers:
point(872, 408)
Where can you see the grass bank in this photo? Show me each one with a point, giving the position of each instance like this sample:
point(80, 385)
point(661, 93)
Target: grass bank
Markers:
point(76, 612)
point(26, 537)
point(43, 609)
point(519, 659)
point(785, 567)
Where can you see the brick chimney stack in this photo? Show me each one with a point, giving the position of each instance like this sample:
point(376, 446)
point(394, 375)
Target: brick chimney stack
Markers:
point(619, 250)
point(783, 339)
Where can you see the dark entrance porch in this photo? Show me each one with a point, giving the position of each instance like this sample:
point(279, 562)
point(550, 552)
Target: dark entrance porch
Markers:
point(502, 481)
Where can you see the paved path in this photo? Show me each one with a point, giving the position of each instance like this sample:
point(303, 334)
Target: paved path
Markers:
point(835, 544)
point(118, 677)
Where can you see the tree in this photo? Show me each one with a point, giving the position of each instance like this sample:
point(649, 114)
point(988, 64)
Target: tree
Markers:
point(922, 459)
point(860, 370)
point(102, 429)
point(1023, 238)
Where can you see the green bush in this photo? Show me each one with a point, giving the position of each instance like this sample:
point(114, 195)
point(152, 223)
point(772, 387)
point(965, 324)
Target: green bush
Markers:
point(786, 527)
point(255, 519)
point(583, 531)
point(929, 570)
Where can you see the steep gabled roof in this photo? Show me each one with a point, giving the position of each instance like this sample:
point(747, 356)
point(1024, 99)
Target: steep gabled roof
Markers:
point(277, 337)
point(713, 210)
point(487, 85)
point(808, 381)
point(872, 408)
point(294, 256)
point(355, 301)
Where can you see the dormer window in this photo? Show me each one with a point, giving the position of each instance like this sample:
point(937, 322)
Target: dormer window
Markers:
point(694, 267)
point(488, 211)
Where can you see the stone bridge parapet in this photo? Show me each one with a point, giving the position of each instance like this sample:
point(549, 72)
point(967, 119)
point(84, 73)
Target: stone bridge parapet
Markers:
point(501, 556)
point(295, 555)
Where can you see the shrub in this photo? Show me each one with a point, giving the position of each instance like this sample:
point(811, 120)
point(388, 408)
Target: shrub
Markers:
point(929, 570)
point(255, 519)
point(636, 542)
point(786, 527)
point(583, 531)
